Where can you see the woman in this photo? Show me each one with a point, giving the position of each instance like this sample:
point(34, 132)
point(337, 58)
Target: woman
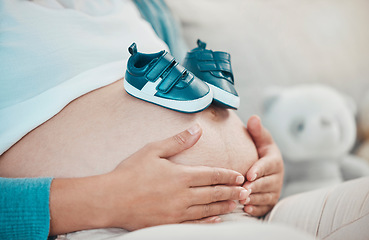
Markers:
point(65, 115)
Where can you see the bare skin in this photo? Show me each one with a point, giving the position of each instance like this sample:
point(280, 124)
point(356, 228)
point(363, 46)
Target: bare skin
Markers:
point(96, 132)
point(134, 196)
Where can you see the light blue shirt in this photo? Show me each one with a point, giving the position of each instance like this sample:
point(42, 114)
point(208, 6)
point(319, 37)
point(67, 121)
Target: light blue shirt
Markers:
point(52, 52)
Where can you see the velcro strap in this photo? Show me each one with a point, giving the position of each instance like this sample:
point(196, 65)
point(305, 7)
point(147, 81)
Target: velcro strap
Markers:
point(215, 66)
point(159, 67)
point(170, 79)
point(214, 61)
point(214, 56)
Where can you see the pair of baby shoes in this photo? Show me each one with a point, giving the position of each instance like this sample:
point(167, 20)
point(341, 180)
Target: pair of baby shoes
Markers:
point(158, 78)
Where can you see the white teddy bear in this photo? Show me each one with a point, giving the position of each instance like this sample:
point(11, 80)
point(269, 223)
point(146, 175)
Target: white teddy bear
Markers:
point(314, 127)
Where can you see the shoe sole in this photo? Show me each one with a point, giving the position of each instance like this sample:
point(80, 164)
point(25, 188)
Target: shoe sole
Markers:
point(190, 106)
point(224, 97)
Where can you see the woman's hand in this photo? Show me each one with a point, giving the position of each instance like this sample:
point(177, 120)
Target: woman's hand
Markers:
point(147, 189)
point(265, 177)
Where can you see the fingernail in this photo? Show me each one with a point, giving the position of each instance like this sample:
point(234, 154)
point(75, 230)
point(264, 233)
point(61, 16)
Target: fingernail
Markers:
point(243, 194)
point(240, 179)
point(253, 177)
point(247, 200)
point(249, 209)
point(194, 129)
point(254, 120)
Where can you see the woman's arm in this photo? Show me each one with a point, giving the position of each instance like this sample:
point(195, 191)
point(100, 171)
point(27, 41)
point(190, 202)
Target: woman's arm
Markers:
point(265, 177)
point(146, 190)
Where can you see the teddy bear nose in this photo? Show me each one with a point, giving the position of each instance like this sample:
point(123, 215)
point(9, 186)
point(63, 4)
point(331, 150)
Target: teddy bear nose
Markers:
point(325, 121)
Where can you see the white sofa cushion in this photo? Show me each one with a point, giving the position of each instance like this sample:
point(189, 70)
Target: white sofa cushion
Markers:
point(283, 42)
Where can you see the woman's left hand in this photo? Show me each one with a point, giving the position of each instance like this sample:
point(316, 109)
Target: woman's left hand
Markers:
point(265, 178)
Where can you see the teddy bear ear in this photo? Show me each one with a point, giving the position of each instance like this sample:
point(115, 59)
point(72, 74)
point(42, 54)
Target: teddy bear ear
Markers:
point(351, 104)
point(270, 96)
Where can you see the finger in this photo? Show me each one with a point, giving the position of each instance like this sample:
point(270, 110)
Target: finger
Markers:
point(259, 134)
point(206, 176)
point(271, 183)
point(179, 142)
point(206, 195)
point(266, 166)
point(207, 220)
point(261, 199)
point(212, 209)
point(257, 211)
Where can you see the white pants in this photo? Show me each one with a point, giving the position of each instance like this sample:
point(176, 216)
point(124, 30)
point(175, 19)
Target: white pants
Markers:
point(340, 212)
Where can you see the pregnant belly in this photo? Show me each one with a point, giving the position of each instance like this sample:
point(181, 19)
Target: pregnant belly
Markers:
point(97, 131)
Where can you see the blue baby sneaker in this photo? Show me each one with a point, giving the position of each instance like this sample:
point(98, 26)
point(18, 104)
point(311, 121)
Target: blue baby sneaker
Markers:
point(215, 69)
point(159, 79)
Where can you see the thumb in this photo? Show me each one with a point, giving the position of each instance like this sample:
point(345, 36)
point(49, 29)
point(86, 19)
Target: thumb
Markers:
point(180, 142)
point(259, 134)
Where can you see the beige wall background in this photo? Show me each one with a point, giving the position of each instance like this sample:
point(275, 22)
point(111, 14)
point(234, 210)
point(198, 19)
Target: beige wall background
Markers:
point(283, 42)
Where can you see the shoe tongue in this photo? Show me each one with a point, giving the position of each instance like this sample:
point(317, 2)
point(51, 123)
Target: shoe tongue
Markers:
point(154, 60)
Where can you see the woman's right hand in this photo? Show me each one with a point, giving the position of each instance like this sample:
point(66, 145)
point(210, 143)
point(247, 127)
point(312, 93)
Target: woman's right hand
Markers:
point(147, 189)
